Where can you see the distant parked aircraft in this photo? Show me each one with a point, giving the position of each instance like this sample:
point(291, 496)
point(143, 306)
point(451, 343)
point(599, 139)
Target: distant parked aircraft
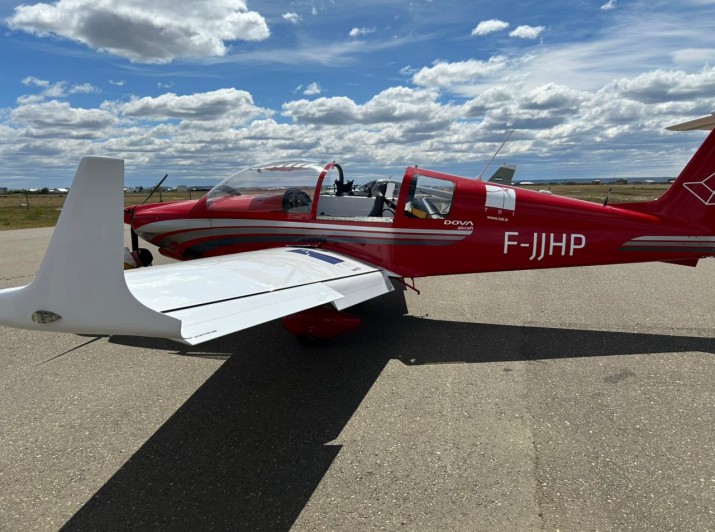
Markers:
point(504, 174)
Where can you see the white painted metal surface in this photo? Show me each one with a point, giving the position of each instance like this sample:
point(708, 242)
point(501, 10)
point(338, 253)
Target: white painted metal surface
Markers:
point(704, 122)
point(216, 296)
point(81, 277)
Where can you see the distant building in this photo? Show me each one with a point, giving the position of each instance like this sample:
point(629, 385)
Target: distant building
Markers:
point(596, 182)
point(621, 181)
point(3, 190)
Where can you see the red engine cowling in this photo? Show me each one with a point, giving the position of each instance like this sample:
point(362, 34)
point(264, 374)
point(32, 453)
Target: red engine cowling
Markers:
point(324, 323)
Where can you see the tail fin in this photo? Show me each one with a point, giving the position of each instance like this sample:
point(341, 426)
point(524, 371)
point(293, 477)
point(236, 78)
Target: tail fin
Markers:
point(503, 175)
point(691, 198)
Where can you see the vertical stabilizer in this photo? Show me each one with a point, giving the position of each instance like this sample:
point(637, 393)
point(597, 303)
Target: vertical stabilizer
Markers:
point(503, 175)
point(691, 198)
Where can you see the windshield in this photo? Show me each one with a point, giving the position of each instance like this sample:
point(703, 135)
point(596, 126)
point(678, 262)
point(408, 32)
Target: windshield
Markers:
point(286, 186)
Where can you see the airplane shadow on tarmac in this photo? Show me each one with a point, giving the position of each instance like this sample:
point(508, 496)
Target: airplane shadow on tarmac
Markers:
point(249, 448)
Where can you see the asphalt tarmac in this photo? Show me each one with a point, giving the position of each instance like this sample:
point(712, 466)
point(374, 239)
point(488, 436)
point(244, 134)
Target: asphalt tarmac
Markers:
point(572, 399)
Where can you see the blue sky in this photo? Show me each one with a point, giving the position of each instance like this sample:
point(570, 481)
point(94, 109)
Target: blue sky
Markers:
point(201, 89)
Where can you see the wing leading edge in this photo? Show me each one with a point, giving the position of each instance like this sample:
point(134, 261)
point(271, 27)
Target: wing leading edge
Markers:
point(81, 286)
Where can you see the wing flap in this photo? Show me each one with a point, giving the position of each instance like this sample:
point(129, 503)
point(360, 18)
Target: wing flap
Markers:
point(200, 324)
point(355, 290)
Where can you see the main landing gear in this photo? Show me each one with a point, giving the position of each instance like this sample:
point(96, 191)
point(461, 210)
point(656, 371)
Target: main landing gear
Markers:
point(319, 325)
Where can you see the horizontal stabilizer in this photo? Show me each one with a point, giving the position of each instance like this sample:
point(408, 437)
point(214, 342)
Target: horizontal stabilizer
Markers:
point(704, 122)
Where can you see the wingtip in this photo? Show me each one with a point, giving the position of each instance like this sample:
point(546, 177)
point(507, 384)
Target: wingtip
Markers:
point(81, 280)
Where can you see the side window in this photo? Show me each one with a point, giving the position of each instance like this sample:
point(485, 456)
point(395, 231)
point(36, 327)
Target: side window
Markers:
point(429, 197)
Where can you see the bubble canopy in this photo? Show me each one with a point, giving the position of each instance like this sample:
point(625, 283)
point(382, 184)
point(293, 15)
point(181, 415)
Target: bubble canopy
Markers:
point(277, 175)
point(279, 185)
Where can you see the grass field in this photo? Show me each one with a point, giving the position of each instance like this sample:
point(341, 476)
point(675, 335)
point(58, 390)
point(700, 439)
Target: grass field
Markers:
point(597, 193)
point(41, 210)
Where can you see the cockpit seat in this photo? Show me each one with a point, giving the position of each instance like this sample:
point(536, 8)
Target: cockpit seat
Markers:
point(344, 188)
point(425, 208)
point(379, 205)
point(296, 201)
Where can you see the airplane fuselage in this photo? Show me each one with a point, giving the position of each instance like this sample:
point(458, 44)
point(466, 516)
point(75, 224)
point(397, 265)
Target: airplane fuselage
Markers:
point(486, 227)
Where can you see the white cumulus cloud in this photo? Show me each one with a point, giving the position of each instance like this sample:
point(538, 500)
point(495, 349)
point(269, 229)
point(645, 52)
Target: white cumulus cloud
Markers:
point(401, 105)
point(358, 32)
point(60, 89)
point(146, 32)
point(293, 18)
point(313, 89)
point(204, 106)
point(527, 32)
point(450, 74)
point(486, 27)
point(611, 4)
point(59, 119)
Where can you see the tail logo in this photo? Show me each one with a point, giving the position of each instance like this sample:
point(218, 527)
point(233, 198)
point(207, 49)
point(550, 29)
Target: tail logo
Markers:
point(703, 190)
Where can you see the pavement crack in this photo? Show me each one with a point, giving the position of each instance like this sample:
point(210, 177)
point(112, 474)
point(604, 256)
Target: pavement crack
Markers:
point(15, 278)
point(538, 479)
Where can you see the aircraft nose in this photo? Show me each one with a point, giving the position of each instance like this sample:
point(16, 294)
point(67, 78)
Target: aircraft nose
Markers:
point(128, 214)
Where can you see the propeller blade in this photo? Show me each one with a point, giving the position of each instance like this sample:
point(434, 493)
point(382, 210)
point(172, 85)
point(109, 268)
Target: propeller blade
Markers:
point(135, 239)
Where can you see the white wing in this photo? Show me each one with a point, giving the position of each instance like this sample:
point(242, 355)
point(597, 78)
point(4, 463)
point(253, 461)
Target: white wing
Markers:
point(218, 296)
point(82, 286)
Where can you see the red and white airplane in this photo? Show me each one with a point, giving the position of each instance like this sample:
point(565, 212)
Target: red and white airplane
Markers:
point(298, 239)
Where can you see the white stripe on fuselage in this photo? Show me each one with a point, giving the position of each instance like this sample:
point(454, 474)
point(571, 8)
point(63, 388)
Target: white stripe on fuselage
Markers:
point(166, 226)
point(177, 230)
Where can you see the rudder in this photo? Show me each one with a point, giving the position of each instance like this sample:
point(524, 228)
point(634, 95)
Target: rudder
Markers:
point(691, 198)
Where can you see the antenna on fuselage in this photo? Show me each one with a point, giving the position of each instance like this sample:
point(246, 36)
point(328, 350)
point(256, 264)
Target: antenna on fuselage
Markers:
point(608, 196)
point(156, 187)
point(479, 177)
